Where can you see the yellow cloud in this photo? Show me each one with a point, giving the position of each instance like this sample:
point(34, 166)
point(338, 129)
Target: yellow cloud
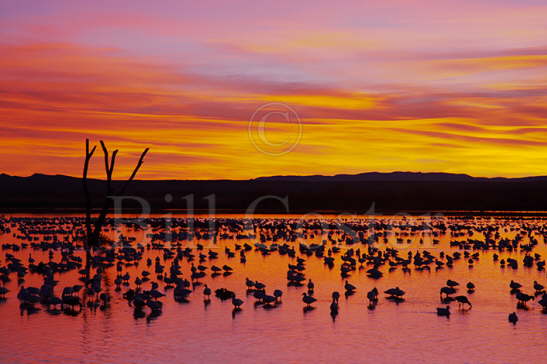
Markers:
point(353, 102)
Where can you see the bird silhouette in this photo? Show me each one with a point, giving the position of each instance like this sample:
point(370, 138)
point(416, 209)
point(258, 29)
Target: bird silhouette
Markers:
point(513, 318)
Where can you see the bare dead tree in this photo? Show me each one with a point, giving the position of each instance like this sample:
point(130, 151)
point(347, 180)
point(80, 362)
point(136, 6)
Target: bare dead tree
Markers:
point(88, 155)
point(93, 229)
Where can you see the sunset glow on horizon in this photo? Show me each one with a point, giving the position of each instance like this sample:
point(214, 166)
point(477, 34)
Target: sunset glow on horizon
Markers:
point(430, 86)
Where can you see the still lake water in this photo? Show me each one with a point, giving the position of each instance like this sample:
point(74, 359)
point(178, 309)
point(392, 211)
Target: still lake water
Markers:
point(410, 332)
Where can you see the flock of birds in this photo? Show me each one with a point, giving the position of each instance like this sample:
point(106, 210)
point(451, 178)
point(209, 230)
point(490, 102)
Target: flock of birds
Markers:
point(182, 263)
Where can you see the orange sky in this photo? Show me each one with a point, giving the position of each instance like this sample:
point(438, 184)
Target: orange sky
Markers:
point(445, 86)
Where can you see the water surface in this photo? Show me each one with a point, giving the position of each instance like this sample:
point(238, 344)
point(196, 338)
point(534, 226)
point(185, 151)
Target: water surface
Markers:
point(409, 332)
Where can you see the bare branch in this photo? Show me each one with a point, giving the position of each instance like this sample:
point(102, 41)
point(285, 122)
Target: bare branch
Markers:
point(88, 155)
point(106, 168)
point(105, 152)
point(139, 164)
point(109, 166)
point(113, 162)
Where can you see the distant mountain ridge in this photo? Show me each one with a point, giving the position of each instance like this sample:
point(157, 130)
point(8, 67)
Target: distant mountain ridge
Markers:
point(397, 176)
point(394, 191)
point(374, 176)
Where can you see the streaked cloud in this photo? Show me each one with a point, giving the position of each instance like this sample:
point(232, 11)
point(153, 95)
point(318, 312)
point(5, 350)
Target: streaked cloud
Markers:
point(377, 86)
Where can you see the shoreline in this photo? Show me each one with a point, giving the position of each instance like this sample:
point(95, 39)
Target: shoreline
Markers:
point(341, 213)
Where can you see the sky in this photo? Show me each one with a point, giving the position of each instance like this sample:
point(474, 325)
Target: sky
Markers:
point(240, 89)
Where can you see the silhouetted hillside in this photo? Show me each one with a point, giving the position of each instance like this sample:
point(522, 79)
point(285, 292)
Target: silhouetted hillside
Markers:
point(399, 191)
point(396, 177)
point(376, 177)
